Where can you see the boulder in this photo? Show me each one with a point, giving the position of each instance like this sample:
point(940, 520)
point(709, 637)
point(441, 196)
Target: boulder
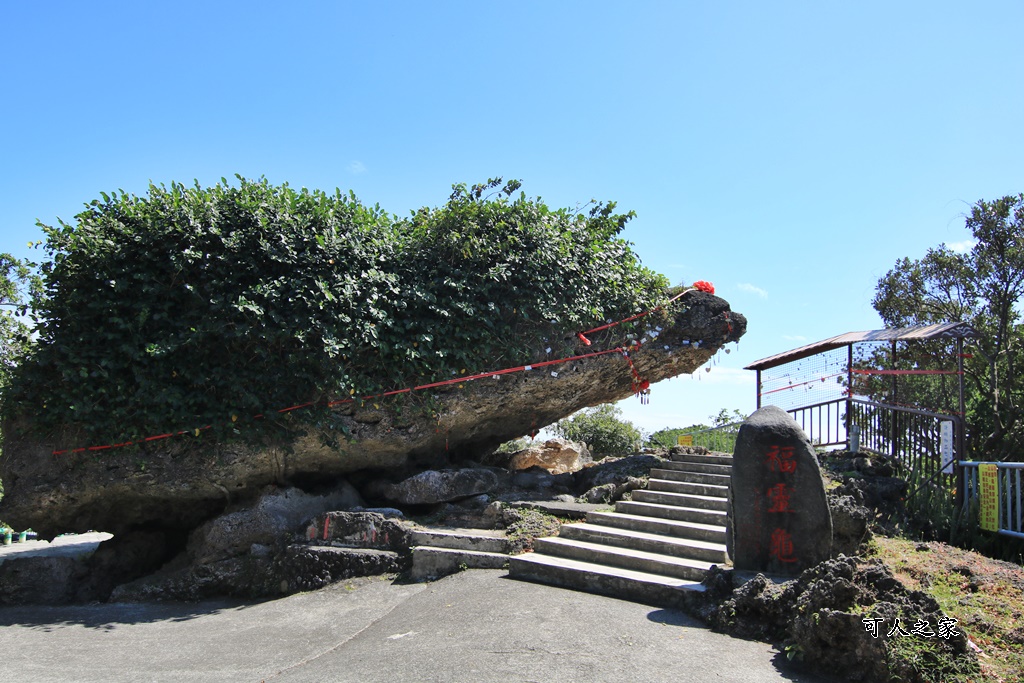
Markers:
point(359, 530)
point(54, 483)
point(557, 456)
point(276, 513)
point(617, 471)
point(779, 515)
point(41, 580)
point(442, 486)
point(609, 493)
point(849, 524)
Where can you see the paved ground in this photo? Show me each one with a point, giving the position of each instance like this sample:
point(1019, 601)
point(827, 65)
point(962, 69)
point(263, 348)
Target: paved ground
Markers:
point(67, 545)
point(476, 626)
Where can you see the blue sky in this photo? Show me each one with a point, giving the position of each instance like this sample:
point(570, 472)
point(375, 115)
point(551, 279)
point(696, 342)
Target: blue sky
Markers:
point(787, 152)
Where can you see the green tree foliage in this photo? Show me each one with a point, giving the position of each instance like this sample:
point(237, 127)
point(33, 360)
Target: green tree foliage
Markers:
point(193, 306)
point(17, 283)
point(669, 436)
point(982, 288)
point(602, 429)
point(725, 420)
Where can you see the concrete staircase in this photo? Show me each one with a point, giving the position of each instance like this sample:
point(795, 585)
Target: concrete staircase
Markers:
point(653, 548)
point(437, 552)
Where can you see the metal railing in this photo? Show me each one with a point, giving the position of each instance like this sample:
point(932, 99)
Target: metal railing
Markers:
point(1009, 492)
point(824, 423)
point(911, 436)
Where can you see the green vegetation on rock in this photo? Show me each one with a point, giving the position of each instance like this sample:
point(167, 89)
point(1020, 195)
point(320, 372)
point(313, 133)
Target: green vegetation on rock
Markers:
point(195, 306)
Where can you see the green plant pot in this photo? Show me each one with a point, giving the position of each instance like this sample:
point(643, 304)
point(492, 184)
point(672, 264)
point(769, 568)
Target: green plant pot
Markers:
point(7, 538)
point(22, 537)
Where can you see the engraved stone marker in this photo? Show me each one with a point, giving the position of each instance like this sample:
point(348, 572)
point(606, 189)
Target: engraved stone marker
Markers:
point(778, 514)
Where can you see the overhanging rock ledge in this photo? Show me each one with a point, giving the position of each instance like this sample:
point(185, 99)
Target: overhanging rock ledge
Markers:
point(179, 484)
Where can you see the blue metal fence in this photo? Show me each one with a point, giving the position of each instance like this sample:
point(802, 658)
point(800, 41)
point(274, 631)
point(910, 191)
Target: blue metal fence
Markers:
point(1009, 488)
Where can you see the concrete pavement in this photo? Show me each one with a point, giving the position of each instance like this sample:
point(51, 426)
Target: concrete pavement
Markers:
point(476, 626)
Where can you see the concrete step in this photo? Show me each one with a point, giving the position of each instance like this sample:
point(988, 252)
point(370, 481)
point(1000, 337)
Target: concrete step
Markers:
point(482, 540)
point(682, 512)
point(696, 477)
point(648, 542)
point(724, 470)
point(704, 459)
point(714, 518)
point(625, 558)
point(649, 589)
point(688, 486)
point(433, 563)
point(659, 525)
point(690, 500)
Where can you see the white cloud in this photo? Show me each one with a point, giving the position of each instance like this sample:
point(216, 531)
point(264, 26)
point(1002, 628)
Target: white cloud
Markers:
point(794, 337)
point(962, 247)
point(753, 289)
point(357, 168)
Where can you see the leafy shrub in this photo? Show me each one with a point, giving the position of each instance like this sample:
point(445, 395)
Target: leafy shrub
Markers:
point(193, 306)
point(602, 430)
point(725, 424)
point(669, 437)
point(513, 446)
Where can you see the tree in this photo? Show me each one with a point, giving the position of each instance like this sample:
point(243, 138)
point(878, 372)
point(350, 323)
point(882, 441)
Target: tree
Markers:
point(982, 288)
point(602, 429)
point(17, 283)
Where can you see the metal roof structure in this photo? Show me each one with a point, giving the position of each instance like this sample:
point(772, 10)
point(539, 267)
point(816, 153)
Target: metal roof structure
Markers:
point(915, 333)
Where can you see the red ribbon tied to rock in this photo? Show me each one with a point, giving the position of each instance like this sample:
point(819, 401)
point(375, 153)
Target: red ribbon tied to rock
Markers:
point(704, 286)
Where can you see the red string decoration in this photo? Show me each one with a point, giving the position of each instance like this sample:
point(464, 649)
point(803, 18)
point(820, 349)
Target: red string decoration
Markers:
point(641, 387)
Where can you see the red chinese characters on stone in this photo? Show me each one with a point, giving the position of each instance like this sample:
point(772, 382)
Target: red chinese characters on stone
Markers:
point(780, 459)
point(781, 547)
point(778, 498)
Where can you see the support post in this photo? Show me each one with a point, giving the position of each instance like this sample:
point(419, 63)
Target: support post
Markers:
point(849, 392)
point(893, 430)
point(961, 426)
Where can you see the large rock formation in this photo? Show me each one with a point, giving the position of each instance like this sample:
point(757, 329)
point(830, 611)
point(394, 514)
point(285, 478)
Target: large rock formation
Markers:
point(179, 484)
point(557, 456)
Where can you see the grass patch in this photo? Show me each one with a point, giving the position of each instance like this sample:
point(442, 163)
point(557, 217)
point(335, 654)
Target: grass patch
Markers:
point(984, 595)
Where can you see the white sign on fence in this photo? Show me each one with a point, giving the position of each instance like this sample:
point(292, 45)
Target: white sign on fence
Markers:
point(946, 445)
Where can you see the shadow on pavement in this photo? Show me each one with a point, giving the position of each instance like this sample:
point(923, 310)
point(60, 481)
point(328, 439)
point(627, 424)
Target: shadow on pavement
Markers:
point(110, 615)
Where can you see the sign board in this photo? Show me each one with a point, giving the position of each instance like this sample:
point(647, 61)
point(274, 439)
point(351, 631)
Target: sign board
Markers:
point(988, 490)
point(946, 446)
point(685, 439)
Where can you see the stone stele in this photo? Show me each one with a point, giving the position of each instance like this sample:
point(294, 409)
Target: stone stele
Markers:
point(778, 513)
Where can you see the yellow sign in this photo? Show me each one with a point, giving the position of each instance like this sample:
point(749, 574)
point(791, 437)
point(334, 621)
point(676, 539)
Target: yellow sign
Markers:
point(685, 439)
point(988, 489)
